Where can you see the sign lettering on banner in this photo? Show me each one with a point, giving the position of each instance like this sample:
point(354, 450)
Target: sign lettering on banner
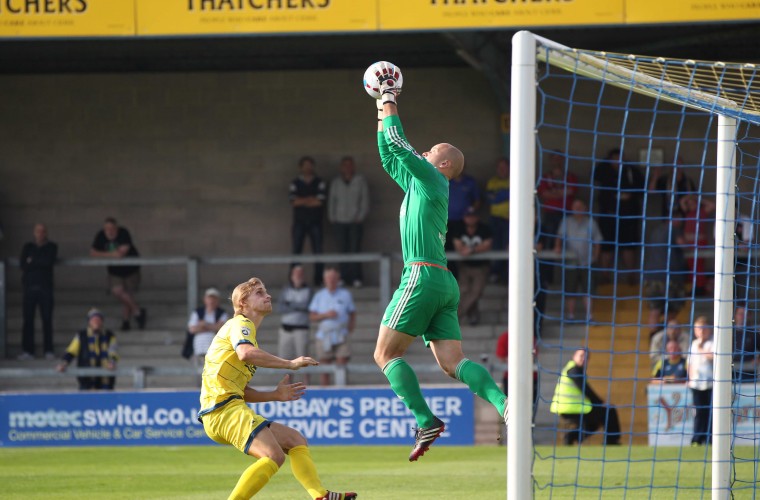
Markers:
point(176, 17)
point(441, 14)
point(48, 18)
point(657, 11)
point(671, 414)
point(324, 416)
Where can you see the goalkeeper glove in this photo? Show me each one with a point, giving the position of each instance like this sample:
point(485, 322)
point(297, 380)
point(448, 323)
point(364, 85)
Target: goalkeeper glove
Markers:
point(388, 76)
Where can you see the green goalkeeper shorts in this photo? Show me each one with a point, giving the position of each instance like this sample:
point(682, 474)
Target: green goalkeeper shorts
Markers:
point(425, 304)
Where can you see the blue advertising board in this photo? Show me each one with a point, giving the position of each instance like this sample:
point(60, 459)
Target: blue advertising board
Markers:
point(366, 416)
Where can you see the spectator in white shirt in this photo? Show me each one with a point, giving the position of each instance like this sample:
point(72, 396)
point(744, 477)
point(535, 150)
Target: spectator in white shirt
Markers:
point(701, 380)
point(333, 307)
point(204, 323)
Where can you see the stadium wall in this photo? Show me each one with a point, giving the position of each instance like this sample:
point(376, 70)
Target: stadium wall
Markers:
point(200, 163)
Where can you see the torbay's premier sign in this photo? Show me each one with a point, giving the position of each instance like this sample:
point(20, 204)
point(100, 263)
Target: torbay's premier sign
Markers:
point(368, 416)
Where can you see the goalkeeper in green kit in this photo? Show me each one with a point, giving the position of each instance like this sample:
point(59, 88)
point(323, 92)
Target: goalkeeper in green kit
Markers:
point(425, 304)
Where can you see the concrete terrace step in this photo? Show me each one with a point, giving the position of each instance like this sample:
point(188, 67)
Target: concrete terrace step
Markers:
point(160, 344)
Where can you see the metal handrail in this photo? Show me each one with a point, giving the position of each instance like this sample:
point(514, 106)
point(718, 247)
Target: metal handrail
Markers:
point(140, 374)
point(192, 265)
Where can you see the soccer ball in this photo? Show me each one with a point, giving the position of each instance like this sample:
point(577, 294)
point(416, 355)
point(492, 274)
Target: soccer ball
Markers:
point(371, 82)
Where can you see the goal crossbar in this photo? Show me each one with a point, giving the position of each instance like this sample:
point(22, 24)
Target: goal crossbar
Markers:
point(728, 89)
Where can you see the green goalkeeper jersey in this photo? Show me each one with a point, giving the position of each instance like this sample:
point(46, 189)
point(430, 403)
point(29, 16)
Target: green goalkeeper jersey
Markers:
point(425, 209)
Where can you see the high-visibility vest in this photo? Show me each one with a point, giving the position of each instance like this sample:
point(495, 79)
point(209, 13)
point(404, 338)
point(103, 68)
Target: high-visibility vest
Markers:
point(568, 399)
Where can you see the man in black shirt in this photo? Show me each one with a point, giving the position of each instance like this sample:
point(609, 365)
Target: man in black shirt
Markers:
point(37, 261)
point(115, 242)
point(308, 194)
point(619, 189)
point(469, 238)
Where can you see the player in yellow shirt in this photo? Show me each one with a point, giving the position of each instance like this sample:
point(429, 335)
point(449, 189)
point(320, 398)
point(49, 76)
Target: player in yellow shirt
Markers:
point(231, 361)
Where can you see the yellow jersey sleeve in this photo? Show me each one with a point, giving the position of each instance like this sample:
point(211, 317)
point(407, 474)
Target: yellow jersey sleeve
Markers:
point(225, 376)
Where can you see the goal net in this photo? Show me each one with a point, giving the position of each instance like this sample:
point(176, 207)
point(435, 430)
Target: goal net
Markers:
point(635, 206)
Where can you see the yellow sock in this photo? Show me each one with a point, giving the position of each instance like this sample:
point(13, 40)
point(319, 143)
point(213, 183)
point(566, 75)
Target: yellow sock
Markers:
point(305, 471)
point(254, 478)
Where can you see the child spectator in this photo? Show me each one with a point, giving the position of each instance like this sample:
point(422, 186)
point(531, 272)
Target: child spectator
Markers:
point(93, 347)
point(672, 368)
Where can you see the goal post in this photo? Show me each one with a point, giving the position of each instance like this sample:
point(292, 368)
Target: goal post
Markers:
point(521, 289)
point(660, 107)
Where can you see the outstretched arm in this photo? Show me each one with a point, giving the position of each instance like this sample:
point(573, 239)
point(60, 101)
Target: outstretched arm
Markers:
point(390, 163)
point(259, 357)
point(285, 391)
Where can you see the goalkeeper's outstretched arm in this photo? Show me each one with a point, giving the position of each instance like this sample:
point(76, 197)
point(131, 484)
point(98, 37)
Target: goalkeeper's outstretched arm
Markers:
point(384, 109)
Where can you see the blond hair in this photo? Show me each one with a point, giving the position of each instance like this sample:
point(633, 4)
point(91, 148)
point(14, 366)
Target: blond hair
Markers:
point(701, 321)
point(242, 291)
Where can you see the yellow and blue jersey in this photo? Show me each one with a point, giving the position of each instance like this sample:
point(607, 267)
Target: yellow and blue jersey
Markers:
point(225, 376)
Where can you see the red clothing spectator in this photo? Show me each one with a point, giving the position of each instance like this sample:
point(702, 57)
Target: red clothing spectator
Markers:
point(502, 352)
point(698, 219)
point(556, 192)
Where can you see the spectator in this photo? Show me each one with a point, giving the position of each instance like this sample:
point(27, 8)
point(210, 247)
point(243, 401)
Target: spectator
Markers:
point(293, 305)
point(348, 206)
point(620, 192)
point(672, 368)
point(204, 323)
point(115, 242)
point(698, 216)
point(580, 234)
point(660, 339)
point(671, 186)
point(502, 353)
point(37, 261)
point(745, 348)
point(93, 347)
point(497, 194)
point(556, 192)
point(308, 194)
point(333, 307)
point(700, 364)
point(463, 193)
point(471, 238)
point(575, 401)
point(664, 272)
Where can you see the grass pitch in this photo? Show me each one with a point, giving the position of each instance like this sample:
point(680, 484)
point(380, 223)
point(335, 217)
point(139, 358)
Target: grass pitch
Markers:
point(445, 472)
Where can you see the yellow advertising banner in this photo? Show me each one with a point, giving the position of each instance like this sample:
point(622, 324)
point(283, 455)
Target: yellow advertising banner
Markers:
point(452, 14)
point(66, 18)
point(679, 11)
point(177, 17)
